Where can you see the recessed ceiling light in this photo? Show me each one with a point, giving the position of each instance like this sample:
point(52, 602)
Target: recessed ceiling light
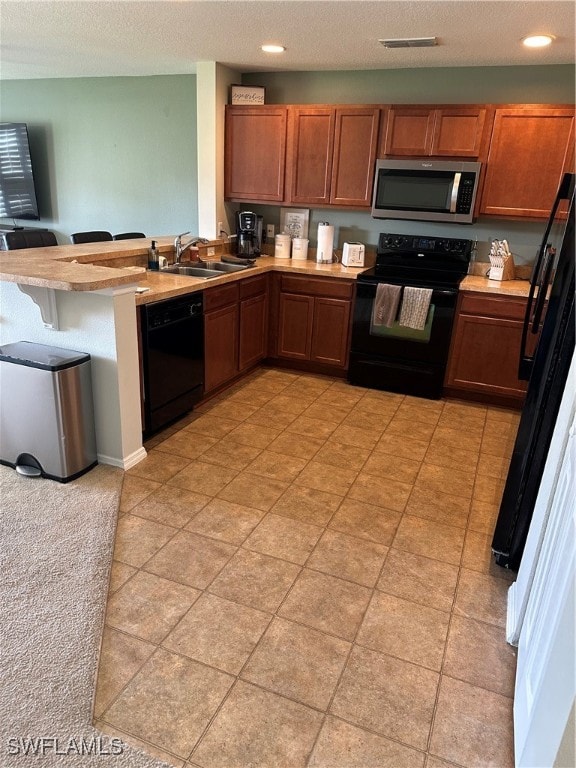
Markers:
point(273, 48)
point(537, 41)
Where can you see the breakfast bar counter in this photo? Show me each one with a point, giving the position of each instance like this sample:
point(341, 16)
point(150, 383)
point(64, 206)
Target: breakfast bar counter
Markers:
point(103, 265)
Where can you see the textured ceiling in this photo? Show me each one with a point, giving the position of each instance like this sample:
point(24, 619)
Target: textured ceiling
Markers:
point(87, 38)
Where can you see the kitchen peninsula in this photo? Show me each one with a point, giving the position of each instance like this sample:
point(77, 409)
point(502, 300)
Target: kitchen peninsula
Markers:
point(88, 294)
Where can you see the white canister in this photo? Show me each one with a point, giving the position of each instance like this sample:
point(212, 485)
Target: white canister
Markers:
point(282, 245)
point(299, 249)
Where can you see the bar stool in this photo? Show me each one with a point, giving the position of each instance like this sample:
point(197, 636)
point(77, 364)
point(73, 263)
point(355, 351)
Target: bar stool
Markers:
point(129, 236)
point(91, 237)
point(12, 241)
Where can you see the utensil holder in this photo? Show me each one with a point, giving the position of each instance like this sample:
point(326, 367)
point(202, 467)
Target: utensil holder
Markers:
point(502, 268)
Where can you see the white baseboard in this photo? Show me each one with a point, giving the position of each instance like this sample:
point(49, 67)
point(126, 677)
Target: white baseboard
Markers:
point(512, 632)
point(127, 463)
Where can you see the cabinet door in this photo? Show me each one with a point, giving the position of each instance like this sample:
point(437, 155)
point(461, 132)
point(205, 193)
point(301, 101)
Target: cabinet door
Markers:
point(484, 356)
point(409, 131)
point(312, 142)
point(255, 153)
point(530, 150)
point(355, 143)
point(220, 346)
point(458, 132)
point(253, 327)
point(295, 326)
point(438, 132)
point(330, 331)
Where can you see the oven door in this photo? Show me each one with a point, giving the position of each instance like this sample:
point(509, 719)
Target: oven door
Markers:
point(400, 359)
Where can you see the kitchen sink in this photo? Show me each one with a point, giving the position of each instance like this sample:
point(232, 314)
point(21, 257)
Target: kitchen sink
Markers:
point(207, 270)
point(222, 266)
point(186, 271)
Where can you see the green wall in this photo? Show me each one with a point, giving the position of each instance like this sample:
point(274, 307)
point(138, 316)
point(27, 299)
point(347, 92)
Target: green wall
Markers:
point(500, 85)
point(115, 153)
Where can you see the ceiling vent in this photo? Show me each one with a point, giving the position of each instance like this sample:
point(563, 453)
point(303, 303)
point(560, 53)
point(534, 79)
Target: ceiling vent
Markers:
point(409, 42)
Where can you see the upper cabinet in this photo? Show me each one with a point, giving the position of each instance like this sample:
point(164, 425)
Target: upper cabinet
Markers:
point(531, 148)
point(332, 153)
point(310, 156)
point(301, 155)
point(436, 131)
point(255, 153)
point(324, 155)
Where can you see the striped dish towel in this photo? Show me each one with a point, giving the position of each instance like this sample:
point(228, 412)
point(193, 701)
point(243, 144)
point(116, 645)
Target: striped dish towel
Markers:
point(385, 304)
point(415, 305)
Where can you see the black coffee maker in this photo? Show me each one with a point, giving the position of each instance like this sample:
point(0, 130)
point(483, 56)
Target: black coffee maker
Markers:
point(248, 234)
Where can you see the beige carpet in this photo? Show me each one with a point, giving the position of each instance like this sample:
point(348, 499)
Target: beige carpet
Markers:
point(55, 552)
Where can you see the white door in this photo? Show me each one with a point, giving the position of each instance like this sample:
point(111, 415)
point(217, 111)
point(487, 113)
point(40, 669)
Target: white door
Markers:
point(546, 671)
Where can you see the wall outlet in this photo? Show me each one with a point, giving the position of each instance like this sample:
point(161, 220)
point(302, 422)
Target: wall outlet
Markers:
point(220, 228)
point(210, 251)
point(269, 232)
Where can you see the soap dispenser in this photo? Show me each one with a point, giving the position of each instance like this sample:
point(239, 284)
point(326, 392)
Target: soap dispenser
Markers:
point(153, 259)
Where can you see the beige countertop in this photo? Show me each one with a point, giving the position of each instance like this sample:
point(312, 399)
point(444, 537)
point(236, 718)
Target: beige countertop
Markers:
point(497, 287)
point(166, 286)
point(86, 267)
point(94, 266)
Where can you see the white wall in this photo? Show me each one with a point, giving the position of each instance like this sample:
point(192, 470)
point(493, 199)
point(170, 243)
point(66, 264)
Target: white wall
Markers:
point(104, 325)
point(213, 83)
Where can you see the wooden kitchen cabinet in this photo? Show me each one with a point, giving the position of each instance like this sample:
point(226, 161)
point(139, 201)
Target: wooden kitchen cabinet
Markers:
point(253, 314)
point(531, 148)
point(485, 349)
point(332, 154)
point(313, 321)
point(221, 332)
point(295, 326)
point(330, 331)
point(255, 153)
point(235, 329)
point(447, 131)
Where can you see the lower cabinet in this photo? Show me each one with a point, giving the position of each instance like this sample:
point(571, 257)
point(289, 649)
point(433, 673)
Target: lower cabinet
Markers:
point(485, 349)
point(313, 320)
point(235, 329)
point(253, 309)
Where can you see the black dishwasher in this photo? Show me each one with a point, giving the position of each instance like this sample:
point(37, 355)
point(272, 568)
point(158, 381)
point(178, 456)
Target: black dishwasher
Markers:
point(172, 359)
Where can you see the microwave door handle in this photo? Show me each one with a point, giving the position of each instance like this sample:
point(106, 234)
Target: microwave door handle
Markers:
point(454, 195)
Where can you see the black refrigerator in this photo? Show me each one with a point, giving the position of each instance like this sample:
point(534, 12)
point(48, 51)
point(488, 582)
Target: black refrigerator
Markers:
point(551, 296)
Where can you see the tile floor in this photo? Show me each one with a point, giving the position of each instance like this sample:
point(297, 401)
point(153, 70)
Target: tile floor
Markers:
point(302, 577)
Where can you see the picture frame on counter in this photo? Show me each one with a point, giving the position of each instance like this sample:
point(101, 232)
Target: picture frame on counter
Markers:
point(247, 94)
point(294, 221)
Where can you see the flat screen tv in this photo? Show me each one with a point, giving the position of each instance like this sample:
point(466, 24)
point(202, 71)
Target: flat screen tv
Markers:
point(17, 190)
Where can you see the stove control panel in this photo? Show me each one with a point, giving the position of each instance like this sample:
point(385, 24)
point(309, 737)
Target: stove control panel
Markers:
point(391, 242)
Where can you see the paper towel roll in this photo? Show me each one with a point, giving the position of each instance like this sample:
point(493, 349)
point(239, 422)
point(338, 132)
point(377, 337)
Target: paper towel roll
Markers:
point(325, 243)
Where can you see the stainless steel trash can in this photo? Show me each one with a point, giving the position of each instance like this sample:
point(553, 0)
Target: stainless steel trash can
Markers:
point(46, 411)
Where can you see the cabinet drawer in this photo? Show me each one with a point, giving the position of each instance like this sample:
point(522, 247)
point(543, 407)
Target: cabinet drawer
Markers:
point(337, 289)
point(220, 297)
point(253, 286)
point(505, 307)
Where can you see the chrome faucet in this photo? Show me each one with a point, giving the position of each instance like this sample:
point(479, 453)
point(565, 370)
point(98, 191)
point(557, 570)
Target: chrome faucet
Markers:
point(179, 248)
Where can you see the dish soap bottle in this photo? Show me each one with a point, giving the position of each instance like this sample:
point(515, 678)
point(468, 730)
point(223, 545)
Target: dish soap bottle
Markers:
point(153, 259)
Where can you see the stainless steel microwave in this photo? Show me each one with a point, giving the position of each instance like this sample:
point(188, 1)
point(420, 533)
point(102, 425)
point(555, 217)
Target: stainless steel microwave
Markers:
point(425, 190)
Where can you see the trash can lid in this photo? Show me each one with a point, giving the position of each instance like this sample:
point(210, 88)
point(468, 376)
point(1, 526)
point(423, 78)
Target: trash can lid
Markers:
point(41, 355)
